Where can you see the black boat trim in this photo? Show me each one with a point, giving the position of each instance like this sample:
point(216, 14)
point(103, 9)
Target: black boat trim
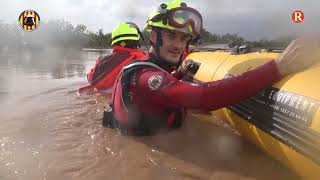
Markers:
point(286, 116)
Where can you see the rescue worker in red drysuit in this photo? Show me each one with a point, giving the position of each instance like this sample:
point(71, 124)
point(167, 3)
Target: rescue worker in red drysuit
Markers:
point(126, 38)
point(147, 98)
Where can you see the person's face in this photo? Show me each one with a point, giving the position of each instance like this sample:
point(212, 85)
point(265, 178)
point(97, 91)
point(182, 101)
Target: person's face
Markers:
point(173, 44)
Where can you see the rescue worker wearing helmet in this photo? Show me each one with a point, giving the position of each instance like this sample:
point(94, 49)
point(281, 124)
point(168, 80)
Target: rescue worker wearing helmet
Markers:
point(126, 38)
point(148, 97)
point(126, 34)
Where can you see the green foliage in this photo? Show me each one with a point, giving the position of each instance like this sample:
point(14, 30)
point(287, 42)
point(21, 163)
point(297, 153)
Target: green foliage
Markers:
point(277, 43)
point(55, 33)
point(209, 38)
point(60, 33)
point(99, 39)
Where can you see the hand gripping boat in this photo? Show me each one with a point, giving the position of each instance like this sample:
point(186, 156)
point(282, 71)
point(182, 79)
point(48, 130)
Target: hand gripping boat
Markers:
point(283, 120)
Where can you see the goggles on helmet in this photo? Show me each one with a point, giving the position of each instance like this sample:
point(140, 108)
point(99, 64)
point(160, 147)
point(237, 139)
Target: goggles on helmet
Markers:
point(182, 17)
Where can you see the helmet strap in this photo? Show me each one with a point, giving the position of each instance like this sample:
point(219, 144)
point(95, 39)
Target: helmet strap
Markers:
point(186, 50)
point(180, 61)
point(158, 42)
point(187, 45)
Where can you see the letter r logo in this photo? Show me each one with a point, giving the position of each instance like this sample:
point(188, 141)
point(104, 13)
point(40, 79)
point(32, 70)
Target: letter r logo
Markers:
point(297, 16)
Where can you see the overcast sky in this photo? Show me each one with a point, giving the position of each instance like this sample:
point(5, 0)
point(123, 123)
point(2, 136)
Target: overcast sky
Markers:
point(252, 19)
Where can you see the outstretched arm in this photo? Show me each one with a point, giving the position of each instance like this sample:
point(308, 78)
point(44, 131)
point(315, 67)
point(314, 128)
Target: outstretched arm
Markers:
point(166, 90)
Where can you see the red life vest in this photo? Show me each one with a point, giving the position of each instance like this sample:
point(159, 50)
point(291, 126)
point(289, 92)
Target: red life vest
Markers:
point(125, 114)
point(104, 73)
point(147, 98)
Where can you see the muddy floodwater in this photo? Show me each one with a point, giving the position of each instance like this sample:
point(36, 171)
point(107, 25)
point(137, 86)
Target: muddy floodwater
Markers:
point(48, 132)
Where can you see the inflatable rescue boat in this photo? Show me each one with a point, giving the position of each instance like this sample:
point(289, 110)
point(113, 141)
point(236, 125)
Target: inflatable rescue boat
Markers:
point(283, 120)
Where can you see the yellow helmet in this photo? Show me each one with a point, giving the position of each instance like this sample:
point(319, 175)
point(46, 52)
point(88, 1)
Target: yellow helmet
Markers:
point(125, 31)
point(176, 15)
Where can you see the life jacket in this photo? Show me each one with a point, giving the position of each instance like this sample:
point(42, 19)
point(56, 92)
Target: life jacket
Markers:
point(105, 71)
point(125, 116)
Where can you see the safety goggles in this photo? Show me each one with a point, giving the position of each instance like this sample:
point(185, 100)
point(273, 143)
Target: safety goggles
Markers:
point(182, 17)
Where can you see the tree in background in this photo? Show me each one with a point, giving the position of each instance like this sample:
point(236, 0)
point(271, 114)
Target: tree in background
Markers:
point(62, 34)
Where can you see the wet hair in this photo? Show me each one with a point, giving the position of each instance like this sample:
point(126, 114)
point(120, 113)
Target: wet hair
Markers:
point(128, 44)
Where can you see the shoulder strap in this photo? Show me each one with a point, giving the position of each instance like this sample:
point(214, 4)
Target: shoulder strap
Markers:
point(142, 63)
point(124, 75)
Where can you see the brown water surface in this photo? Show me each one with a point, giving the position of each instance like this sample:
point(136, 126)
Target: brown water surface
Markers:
point(49, 132)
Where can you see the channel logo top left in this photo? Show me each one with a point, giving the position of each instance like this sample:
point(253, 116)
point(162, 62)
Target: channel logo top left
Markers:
point(29, 20)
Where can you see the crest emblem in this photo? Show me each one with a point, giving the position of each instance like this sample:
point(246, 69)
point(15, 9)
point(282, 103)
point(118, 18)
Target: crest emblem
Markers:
point(29, 20)
point(155, 82)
